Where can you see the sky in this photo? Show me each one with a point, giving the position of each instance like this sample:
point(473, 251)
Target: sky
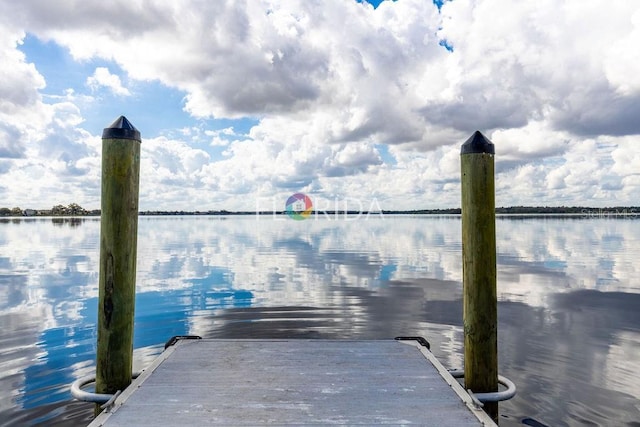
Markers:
point(241, 104)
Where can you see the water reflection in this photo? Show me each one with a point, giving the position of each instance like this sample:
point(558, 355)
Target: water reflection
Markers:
point(70, 221)
point(569, 332)
point(562, 359)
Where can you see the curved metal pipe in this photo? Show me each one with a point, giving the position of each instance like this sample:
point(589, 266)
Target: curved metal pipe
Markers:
point(496, 396)
point(86, 396)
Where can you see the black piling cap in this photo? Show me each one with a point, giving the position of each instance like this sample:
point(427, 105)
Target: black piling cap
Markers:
point(478, 143)
point(121, 129)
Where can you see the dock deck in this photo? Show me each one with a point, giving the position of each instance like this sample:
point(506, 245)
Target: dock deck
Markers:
point(300, 382)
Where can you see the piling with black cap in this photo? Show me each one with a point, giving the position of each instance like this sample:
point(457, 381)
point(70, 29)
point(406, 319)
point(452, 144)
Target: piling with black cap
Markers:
point(480, 313)
point(118, 248)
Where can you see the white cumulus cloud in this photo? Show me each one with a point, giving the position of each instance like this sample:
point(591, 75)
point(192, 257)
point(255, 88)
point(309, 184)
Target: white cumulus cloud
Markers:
point(342, 98)
point(102, 77)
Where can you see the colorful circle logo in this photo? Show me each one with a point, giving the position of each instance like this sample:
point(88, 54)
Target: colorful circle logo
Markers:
point(299, 206)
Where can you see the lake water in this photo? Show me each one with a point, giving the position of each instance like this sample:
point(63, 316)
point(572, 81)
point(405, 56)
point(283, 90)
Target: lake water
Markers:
point(569, 301)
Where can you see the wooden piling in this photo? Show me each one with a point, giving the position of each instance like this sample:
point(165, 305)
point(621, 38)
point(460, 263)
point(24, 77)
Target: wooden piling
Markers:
point(118, 247)
point(479, 268)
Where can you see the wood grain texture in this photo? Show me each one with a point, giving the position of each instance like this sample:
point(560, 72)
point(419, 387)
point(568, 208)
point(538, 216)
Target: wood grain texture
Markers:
point(479, 275)
point(117, 277)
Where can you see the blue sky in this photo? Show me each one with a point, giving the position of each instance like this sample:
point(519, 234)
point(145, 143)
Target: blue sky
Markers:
point(158, 108)
point(339, 100)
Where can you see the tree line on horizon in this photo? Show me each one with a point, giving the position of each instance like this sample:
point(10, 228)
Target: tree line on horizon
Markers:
point(75, 209)
point(72, 209)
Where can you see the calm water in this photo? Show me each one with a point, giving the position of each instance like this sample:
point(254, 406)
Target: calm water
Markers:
point(569, 309)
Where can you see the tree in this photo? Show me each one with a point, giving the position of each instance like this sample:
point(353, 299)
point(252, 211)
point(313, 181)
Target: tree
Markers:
point(58, 210)
point(75, 209)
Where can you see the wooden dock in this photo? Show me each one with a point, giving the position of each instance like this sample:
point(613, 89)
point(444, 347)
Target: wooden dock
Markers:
point(299, 382)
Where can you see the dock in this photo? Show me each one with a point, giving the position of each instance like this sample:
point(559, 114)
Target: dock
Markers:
point(294, 382)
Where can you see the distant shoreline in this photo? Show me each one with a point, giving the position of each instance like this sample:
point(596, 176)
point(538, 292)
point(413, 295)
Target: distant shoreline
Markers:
point(516, 211)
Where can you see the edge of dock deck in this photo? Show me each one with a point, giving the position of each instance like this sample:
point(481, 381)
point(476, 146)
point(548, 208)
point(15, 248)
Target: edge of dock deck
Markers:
point(294, 381)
